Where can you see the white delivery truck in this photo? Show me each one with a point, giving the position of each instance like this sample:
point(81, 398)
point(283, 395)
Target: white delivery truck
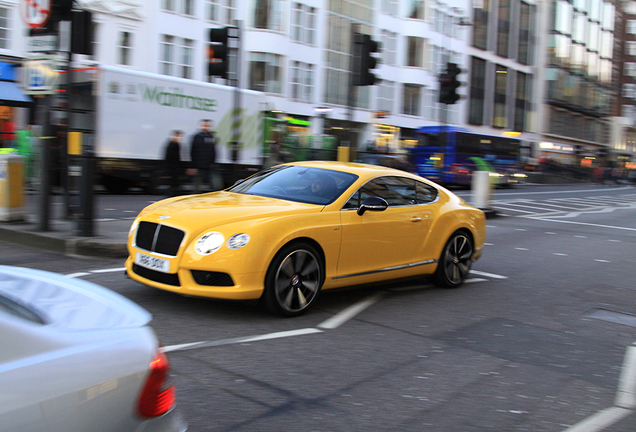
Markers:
point(135, 112)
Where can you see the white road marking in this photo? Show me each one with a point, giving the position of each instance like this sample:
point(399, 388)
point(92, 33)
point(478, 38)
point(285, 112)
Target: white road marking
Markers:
point(550, 233)
point(614, 241)
point(559, 254)
point(77, 275)
point(522, 249)
point(600, 420)
point(543, 218)
point(560, 192)
point(600, 260)
point(234, 341)
point(626, 395)
point(473, 280)
point(345, 315)
point(488, 244)
point(490, 275)
point(113, 270)
point(580, 236)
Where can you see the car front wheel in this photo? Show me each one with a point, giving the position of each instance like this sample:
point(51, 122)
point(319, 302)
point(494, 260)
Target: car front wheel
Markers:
point(293, 280)
point(455, 262)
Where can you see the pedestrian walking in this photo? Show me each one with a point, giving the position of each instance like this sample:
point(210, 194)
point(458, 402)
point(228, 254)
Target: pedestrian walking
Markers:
point(203, 156)
point(173, 164)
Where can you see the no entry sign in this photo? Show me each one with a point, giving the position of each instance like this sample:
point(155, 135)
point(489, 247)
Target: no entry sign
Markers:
point(35, 13)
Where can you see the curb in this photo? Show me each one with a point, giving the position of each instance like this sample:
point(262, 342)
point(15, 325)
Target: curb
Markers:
point(97, 247)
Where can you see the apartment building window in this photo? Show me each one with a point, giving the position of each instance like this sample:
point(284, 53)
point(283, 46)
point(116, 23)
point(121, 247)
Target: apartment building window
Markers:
point(5, 23)
point(630, 69)
point(631, 26)
point(416, 9)
point(415, 53)
point(390, 7)
point(389, 47)
point(176, 56)
point(503, 28)
point(266, 73)
point(303, 27)
point(221, 11)
point(386, 96)
point(431, 104)
point(167, 55)
point(411, 101)
point(501, 84)
point(302, 81)
point(185, 7)
point(477, 91)
point(524, 55)
point(125, 48)
point(630, 48)
point(521, 102)
point(480, 25)
point(629, 91)
point(268, 14)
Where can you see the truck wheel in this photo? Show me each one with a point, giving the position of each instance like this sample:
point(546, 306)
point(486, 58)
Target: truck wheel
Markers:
point(115, 185)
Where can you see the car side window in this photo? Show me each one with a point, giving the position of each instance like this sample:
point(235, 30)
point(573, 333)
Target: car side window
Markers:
point(397, 191)
point(425, 193)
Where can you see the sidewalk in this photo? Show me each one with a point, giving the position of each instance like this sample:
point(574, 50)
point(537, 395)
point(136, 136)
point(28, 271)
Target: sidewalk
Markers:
point(109, 234)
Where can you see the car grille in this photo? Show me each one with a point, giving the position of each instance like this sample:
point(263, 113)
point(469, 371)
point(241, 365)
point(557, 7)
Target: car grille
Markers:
point(159, 238)
point(209, 278)
point(155, 276)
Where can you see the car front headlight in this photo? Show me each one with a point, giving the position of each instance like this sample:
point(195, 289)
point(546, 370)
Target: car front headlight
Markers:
point(209, 243)
point(133, 227)
point(237, 241)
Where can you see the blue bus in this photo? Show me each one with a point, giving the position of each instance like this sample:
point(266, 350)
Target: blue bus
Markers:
point(449, 155)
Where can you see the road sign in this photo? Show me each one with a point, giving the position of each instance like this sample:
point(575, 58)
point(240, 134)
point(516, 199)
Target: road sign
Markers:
point(35, 13)
point(45, 43)
point(39, 76)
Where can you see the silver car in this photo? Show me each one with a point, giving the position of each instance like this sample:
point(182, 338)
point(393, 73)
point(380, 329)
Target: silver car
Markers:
point(75, 356)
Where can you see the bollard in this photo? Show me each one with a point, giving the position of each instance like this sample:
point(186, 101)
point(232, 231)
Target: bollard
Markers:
point(481, 188)
point(11, 187)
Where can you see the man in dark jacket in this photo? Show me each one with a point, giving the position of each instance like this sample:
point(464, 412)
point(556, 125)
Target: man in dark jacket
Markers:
point(203, 155)
point(173, 161)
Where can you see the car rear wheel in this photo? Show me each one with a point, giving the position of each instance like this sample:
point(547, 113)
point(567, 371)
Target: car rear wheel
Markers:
point(455, 262)
point(293, 280)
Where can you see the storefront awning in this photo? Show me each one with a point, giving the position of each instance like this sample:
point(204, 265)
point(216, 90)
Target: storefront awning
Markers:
point(11, 95)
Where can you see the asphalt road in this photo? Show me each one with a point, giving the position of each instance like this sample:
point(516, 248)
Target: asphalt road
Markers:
point(535, 341)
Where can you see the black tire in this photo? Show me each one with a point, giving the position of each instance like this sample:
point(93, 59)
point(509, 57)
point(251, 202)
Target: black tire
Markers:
point(293, 280)
point(115, 185)
point(455, 261)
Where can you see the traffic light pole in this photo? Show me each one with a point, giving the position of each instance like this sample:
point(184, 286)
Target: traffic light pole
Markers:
point(236, 118)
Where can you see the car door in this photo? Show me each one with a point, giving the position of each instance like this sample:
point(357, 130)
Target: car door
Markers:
point(382, 241)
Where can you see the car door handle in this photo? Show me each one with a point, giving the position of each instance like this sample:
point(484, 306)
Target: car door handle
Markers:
point(416, 219)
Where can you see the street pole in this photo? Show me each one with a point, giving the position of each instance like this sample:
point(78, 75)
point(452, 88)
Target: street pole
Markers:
point(236, 118)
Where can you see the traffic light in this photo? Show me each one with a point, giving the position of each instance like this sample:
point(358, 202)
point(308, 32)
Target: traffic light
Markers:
point(364, 61)
point(218, 52)
point(448, 84)
point(82, 35)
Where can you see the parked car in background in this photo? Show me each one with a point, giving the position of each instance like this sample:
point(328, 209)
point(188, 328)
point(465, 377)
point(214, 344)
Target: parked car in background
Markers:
point(77, 357)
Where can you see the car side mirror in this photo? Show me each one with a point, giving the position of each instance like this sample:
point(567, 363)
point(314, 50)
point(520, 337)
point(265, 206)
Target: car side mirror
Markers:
point(373, 204)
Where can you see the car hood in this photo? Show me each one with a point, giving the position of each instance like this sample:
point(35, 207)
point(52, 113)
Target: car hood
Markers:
point(218, 208)
point(68, 303)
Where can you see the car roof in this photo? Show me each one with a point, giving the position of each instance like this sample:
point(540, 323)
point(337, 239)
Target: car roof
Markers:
point(364, 171)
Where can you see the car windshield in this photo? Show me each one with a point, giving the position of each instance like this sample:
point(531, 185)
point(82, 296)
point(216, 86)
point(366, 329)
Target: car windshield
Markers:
point(297, 183)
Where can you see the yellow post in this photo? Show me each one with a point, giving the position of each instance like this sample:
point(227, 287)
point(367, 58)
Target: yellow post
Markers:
point(75, 143)
point(343, 154)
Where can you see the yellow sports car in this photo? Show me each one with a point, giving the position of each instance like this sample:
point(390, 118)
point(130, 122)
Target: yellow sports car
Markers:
point(287, 232)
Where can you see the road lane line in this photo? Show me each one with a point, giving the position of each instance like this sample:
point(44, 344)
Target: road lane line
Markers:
point(542, 218)
point(118, 269)
point(350, 312)
point(490, 275)
point(473, 280)
point(626, 394)
point(600, 420)
point(234, 341)
point(77, 275)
